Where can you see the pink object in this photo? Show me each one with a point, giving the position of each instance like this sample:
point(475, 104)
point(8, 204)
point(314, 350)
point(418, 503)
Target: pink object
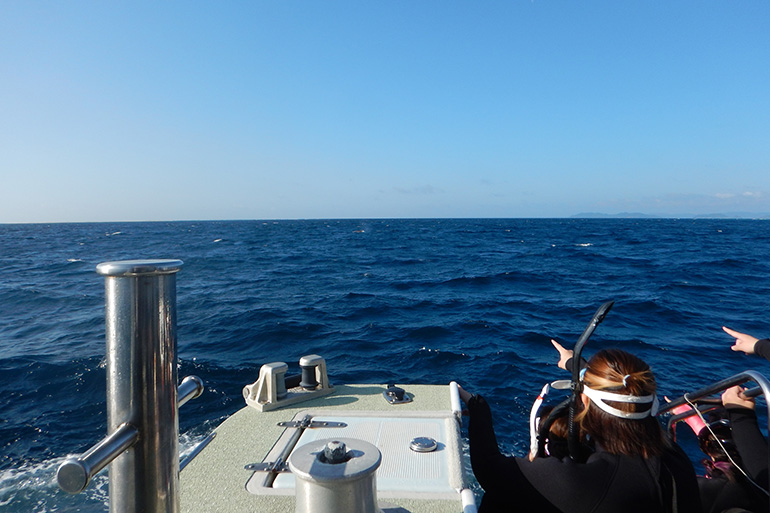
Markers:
point(694, 421)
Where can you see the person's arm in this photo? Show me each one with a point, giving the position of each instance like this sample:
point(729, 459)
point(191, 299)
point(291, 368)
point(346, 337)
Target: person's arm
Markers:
point(583, 364)
point(539, 485)
point(498, 474)
point(565, 357)
point(762, 348)
point(751, 444)
point(488, 463)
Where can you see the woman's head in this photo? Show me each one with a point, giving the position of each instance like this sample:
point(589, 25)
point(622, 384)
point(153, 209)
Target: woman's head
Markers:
point(619, 398)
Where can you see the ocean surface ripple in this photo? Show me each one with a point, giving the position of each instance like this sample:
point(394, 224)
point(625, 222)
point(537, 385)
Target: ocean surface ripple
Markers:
point(405, 301)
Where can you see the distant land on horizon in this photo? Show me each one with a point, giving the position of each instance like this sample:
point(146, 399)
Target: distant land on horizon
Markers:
point(640, 215)
point(582, 215)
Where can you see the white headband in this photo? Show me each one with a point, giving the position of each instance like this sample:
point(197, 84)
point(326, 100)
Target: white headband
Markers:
point(599, 396)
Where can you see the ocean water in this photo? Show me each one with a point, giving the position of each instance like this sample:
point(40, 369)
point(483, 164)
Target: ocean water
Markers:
point(406, 301)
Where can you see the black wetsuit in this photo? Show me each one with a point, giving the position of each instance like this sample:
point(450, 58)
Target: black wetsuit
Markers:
point(719, 493)
point(762, 348)
point(751, 444)
point(606, 483)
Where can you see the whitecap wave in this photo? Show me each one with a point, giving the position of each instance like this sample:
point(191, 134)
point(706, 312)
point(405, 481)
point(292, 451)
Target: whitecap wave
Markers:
point(32, 488)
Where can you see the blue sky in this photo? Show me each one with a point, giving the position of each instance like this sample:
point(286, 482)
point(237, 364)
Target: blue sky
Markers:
point(124, 111)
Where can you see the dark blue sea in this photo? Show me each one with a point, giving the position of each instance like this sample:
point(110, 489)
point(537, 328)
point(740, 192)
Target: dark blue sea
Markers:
point(406, 301)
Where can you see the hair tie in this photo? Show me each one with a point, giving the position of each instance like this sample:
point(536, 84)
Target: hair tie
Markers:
point(625, 378)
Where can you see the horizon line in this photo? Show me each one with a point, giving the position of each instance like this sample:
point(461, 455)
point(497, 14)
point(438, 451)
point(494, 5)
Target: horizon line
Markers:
point(582, 215)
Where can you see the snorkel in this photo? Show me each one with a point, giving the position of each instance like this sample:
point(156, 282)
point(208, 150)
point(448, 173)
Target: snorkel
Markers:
point(573, 442)
point(544, 426)
point(533, 420)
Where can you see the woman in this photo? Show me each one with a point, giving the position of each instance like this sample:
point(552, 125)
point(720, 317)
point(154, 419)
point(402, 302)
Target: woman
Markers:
point(750, 444)
point(634, 469)
point(725, 487)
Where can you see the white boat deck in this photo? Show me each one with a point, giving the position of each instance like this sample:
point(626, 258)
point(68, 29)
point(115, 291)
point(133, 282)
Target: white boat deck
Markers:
point(407, 481)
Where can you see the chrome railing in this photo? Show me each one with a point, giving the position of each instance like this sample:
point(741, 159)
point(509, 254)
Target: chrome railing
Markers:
point(143, 400)
point(720, 386)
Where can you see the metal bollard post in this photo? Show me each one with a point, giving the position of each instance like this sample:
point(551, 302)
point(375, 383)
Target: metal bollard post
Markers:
point(142, 382)
point(336, 476)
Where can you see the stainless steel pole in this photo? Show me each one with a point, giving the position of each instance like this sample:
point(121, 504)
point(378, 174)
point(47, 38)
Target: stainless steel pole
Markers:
point(142, 382)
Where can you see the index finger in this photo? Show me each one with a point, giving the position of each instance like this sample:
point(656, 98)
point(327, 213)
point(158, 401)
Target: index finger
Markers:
point(558, 346)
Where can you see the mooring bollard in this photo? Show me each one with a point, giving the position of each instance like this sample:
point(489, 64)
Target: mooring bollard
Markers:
point(142, 447)
point(336, 476)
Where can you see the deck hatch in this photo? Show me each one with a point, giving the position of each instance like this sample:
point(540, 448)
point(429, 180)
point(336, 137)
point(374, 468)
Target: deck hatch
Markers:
point(403, 470)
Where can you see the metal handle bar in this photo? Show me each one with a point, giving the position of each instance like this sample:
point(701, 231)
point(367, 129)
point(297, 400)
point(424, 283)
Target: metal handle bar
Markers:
point(190, 388)
point(706, 404)
point(719, 386)
point(702, 408)
point(75, 473)
point(748, 393)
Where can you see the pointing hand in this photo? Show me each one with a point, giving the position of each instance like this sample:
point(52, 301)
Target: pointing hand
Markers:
point(743, 342)
point(564, 354)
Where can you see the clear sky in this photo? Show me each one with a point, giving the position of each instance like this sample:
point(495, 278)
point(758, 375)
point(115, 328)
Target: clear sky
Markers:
point(172, 110)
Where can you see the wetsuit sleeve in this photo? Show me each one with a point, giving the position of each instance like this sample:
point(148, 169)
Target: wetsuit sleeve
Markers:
point(583, 364)
point(488, 463)
point(750, 442)
point(762, 348)
point(498, 475)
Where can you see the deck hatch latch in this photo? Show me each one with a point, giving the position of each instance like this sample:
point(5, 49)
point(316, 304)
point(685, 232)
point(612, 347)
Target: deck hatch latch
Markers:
point(396, 395)
point(281, 463)
point(268, 466)
point(313, 424)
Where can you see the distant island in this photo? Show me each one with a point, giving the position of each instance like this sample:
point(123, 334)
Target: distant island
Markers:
point(640, 215)
point(623, 215)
